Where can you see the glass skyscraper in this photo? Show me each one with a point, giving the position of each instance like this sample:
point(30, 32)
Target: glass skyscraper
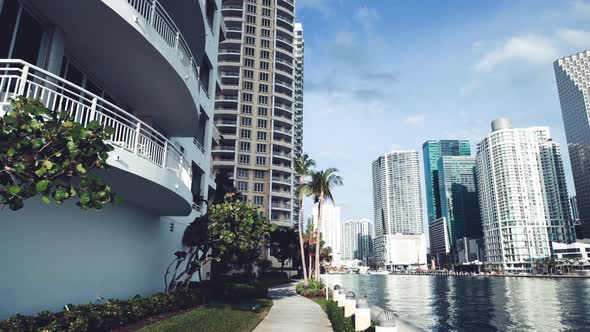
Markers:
point(432, 151)
point(572, 74)
point(458, 197)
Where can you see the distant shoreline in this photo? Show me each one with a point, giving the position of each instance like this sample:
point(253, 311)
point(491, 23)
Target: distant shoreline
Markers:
point(566, 276)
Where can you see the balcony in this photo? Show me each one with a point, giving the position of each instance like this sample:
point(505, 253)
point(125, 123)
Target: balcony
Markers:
point(281, 206)
point(281, 193)
point(282, 180)
point(284, 107)
point(224, 148)
point(283, 131)
point(144, 160)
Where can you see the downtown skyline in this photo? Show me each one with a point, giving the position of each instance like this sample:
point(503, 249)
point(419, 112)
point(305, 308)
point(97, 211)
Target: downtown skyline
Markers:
point(389, 113)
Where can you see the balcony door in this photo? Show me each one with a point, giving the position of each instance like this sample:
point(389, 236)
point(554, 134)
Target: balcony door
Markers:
point(21, 34)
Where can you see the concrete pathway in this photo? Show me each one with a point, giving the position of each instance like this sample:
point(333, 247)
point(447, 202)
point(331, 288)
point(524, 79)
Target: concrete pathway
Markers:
point(292, 312)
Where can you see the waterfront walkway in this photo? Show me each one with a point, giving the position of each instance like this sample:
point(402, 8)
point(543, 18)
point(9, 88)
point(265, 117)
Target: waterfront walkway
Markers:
point(292, 312)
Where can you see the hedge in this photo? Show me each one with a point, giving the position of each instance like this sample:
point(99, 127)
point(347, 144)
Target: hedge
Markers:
point(104, 316)
point(336, 317)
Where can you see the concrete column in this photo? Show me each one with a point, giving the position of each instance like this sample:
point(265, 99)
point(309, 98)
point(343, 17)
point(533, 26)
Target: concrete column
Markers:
point(349, 307)
point(362, 319)
point(56, 50)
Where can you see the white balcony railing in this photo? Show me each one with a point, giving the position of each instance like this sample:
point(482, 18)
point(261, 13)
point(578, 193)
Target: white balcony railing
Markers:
point(157, 17)
point(19, 78)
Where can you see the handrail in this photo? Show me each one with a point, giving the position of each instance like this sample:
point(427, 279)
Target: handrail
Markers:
point(157, 17)
point(19, 78)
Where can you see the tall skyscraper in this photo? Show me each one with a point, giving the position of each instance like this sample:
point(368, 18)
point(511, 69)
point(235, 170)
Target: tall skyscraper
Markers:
point(331, 229)
point(523, 196)
point(254, 110)
point(298, 134)
point(573, 82)
point(458, 197)
point(574, 207)
point(397, 203)
point(357, 240)
point(432, 150)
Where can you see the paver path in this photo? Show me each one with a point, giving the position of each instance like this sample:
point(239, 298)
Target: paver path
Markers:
point(292, 312)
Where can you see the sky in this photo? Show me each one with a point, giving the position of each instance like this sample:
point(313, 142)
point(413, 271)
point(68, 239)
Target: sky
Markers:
point(387, 75)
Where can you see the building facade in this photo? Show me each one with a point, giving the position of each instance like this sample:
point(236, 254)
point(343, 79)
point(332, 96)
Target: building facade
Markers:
point(357, 240)
point(573, 81)
point(440, 247)
point(155, 91)
point(523, 196)
point(331, 229)
point(397, 208)
point(298, 117)
point(254, 110)
point(574, 207)
point(432, 151)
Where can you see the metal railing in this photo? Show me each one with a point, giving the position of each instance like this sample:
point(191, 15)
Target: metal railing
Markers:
point(287, 62)
point(157, 17)
point(198, 144)
point(285, 18)
point(284, 107)
point(224, 148)
point(284, 131)
point(280, 179)
point(19, 78)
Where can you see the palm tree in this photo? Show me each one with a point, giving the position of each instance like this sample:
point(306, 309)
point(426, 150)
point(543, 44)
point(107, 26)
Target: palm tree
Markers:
point(321, 185)
point(303, 167)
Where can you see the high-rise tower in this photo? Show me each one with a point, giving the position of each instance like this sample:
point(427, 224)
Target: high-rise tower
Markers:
point(298, 117)
point(573, 83)
point(432, 151)
point(254, 109)
point(397, 203)
point(523, 196)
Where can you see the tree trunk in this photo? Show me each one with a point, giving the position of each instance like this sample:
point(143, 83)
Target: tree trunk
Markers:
point(300, 226)
point(310, 264)
point(318, 237)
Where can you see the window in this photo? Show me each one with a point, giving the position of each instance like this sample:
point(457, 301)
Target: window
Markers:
point(210, 11)
point(245, 133)
point(251, 19)
point(261, 148)
point(266, 33)
point(248, 51)
point(244, 146)
point(249, 62)
point(242, 185)
point(266, 3)
point(247, 85)
point(263, 100)
point(258, 200)
point(250, 40)
point(265, 54)
point(261, 136)
point(246, 121)
point(265, 22)
point(262, 123)
point(244, 159)
point(265, 43)
point(250, 30)
point(248, 73)
point(251, 9)
point(264, 77)
point(247, 109)
point(247, 97)
point(262, 111)
point(243, 173)
point(266, 12)
point(263, 88)
point(259, 187)
point(263, 65)
point(259, 174)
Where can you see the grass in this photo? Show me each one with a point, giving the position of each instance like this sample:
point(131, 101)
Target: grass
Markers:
point(321, 301)
point(215, 317)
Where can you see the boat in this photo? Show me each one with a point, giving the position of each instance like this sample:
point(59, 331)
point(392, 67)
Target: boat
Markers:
point(378, 272)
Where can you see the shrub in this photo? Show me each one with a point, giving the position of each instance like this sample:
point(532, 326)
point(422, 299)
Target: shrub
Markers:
point(336, 316)
point(103, 317)
point(246, 291)
point(314, 289)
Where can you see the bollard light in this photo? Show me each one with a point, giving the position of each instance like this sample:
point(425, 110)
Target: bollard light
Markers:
point(349, 304)
point(341, 296)
point(386, 322)
point(335, 293)
point(362, 314)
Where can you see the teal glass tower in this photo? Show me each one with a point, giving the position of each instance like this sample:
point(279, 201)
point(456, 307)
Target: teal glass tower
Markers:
point(458, 197)
point(432, 152)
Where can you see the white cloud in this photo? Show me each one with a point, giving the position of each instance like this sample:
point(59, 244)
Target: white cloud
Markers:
point(531, 49)
point(344, 38)
point(415, 120)
point(580, 7)
point(366, 16)
point(577, 38)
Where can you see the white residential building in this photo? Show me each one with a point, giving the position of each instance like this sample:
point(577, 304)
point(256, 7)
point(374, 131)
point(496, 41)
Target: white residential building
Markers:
point(397, 203)
point(523, 196)
point(147, 69)
point(254, 109)
point(299, 46)
point(357, 240)
point(331, 229)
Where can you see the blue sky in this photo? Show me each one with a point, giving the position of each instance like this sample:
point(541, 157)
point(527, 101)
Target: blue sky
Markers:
point(390, 74)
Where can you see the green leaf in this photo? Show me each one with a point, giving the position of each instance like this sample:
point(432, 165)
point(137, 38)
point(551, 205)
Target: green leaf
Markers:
point(13, 189)
point(84, 198)
point(46, 199)
point(47, 164)
point(41, 171)
point(11, 152)
point(80, 168)
point(68, 124)
point(41, 186)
